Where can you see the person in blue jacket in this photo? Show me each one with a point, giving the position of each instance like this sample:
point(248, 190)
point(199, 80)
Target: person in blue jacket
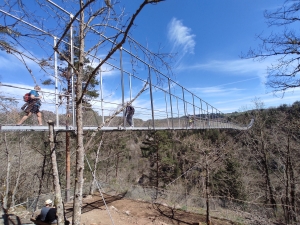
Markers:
point(33, 106)
point(48, 213)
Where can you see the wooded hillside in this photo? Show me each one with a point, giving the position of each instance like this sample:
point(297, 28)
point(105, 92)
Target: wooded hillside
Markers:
point(256, 171)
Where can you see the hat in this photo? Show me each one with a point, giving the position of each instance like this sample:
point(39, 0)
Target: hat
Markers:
point(48, 202)
point(37, 88)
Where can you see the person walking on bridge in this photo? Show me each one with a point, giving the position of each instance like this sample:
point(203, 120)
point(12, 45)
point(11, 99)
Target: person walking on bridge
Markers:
point(33, 106)
point(129, 114)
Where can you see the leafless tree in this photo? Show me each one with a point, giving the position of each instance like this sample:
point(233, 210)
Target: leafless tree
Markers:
point(258, 142)
point(282, 45)
point(89, 18)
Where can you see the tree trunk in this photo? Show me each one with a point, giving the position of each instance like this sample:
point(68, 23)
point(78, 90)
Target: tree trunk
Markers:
point(117, 163)
point(18, 175)
point(293, 192)
point(157, 164)
point(7, 180)
point(58, 198)
point(77, 203)
point(269, 189)
point(68, 151)
point(207, 191)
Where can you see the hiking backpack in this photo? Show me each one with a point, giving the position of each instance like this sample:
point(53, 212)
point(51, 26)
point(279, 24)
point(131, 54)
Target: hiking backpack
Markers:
point(130, 110)
point(26, 97)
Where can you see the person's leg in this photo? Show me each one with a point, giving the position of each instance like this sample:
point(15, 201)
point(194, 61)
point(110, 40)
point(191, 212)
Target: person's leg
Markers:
point(24, 118)
point(129, 119)
point(39, 117)
point(24, 106)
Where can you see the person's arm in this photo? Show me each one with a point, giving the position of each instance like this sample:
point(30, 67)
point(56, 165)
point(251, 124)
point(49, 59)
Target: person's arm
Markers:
point(34, 95)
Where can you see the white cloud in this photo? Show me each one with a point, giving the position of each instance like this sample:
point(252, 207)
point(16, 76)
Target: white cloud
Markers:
point(236, 66)
point(181, 37)
point(215, 90)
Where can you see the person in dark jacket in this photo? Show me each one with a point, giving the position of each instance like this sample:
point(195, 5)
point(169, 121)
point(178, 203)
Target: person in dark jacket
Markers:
point(48, 213)
point(129, 114)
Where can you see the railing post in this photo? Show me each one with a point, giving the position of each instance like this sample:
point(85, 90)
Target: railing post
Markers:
point(122, 87)
point(167, 109)
point(194, 119)
point(201, 119)
point(208, 122)
point(72, 72)
point(151, 98)
point(130, 92)
point(178, 113)
point(101, 95)
point(172, 118)
point(212, 116)
point(56, 84)
point(184, 106)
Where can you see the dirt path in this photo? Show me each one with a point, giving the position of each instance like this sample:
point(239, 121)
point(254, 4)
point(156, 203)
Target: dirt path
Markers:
point(128, 212)
point(121, 211)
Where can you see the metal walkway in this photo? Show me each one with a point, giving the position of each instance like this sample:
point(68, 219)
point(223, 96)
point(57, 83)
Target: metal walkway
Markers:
point(206, 125)
point(164, 105)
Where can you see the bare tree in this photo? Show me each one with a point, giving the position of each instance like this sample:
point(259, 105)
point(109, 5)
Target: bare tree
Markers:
point(259, 144)
point(91, 21)
point(8, 172)
point(56, 182)
point(18, 172)
point(282, 45)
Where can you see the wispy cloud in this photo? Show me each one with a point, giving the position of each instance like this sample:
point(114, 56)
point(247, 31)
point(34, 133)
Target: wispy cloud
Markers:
point(215, 90)
point(268, 99)
point(181, 36)
point(238, 66)
point(234, 67)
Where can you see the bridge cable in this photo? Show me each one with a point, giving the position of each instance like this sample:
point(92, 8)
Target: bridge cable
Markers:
point(99, 188)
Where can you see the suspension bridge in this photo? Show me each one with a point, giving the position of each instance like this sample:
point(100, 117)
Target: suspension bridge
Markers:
point(164, 105)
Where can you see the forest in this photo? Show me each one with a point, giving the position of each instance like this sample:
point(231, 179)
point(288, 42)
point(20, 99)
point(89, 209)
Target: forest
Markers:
point(245, 172)
point(254, 171)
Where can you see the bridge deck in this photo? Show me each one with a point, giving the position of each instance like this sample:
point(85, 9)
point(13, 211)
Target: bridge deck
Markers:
point(70, 129)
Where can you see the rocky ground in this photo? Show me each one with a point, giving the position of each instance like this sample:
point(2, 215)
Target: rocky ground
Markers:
point(121, 211)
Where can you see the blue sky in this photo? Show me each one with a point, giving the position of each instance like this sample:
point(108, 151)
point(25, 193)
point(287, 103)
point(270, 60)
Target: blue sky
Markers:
point(208, 37)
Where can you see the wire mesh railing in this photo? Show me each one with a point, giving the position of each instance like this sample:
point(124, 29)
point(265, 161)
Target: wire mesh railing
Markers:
point(166, 104)
point(95, 114)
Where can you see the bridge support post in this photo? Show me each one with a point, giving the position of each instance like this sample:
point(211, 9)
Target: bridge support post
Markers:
point(172, 117)
point(151, 97)
point(122, 85)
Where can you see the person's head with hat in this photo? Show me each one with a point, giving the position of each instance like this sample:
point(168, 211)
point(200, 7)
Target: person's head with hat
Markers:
point(48, 203)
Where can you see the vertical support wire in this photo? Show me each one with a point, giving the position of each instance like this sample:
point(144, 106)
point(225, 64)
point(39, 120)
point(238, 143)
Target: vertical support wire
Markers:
point(151, 97)
point(193, 119)
point(201, 118)
point(122, 85)
point(101, 95)
point(178, 113)
point(184, 106)
point(130, 92)
point(72, 72)
point(212, 116)
point(167, 109)
point(56, 84)
point(208, 122)
point(172, 117)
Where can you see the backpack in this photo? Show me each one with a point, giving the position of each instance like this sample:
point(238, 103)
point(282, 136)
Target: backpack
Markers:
point(26, 97)
point(130, 110)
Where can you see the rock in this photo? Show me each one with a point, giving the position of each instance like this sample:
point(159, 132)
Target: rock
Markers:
point(114, 208)
point(88, 197)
